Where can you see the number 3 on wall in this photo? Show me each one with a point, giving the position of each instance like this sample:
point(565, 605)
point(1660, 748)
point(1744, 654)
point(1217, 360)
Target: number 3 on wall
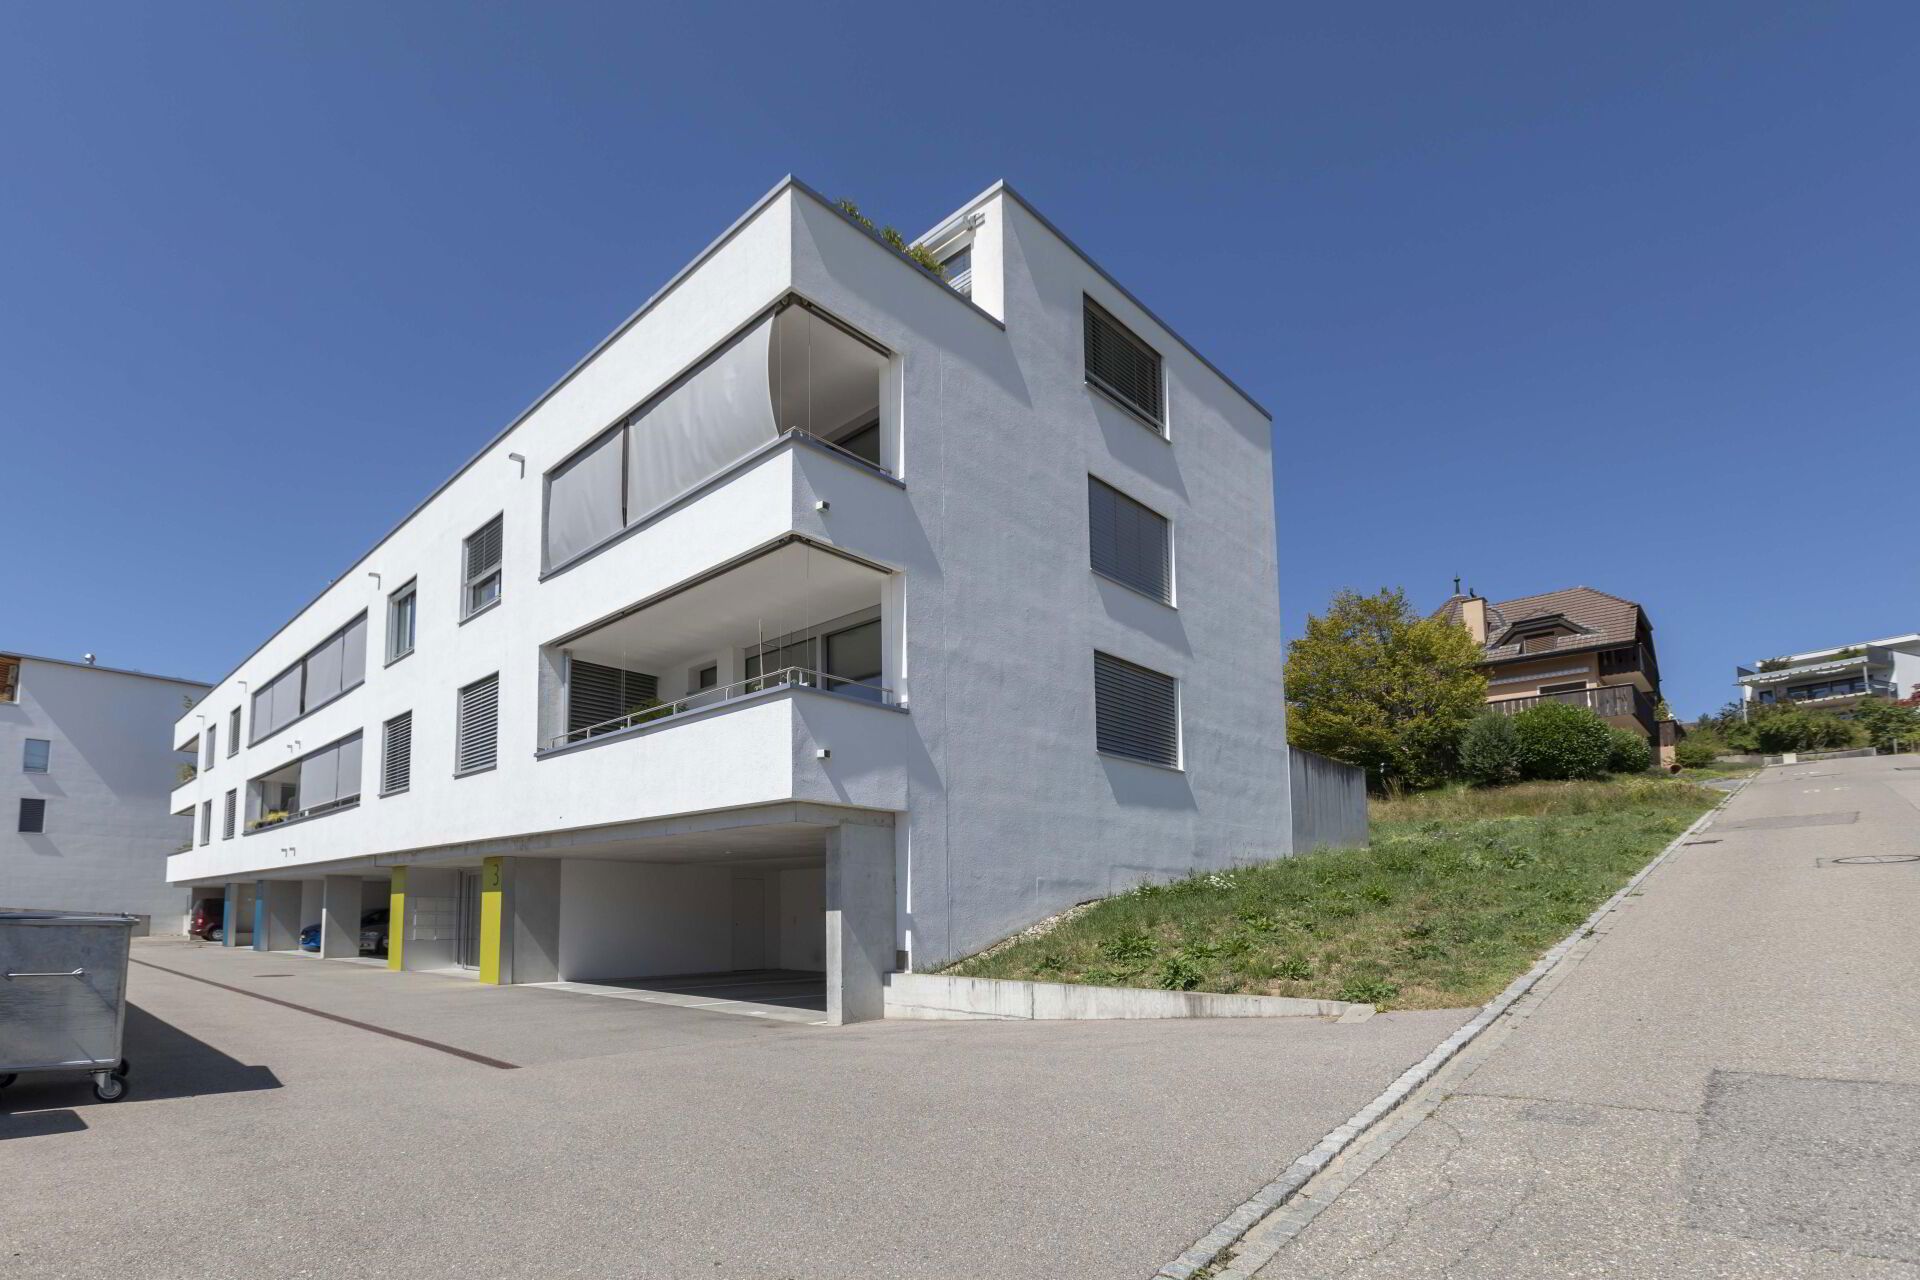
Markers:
point(490, 877)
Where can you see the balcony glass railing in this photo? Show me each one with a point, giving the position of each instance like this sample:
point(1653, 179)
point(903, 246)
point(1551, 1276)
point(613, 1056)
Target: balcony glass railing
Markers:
point(784, 678)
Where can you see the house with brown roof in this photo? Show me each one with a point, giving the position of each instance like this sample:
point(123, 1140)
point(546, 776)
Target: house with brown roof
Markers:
point(1578, 645)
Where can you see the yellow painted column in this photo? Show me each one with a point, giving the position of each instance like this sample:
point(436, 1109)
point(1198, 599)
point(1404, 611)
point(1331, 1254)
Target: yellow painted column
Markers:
point(396, 916)
point(492, 915)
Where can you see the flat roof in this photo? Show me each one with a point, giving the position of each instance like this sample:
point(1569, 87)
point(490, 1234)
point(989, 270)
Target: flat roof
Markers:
point(94, 666)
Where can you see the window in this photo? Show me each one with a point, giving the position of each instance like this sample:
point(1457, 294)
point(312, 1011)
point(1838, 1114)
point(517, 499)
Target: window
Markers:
point(597, 694)
point(1129, 542)
point(36, 756)
point(1576, 686)
point(33, 814)
point(318, 782)
point(400, 618)
point(1136, 711)
point(337, 665)
point(853, 660)
point(227, 815)
point(211, 745)
point(206, 821)
point(233, 732)
point(707, 677)
point(396, 754)
point(482, 575)
point(9, 679)
point(1123, 366)
point(477, 735)
point(959, 268)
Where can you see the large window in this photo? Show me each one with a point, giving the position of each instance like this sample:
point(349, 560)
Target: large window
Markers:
point(1123, 366)
point(318, 782)
point(33, 815)
point(597, 695)
point(396, 754)
point(1129, 542)
point(38, 753)
point(477, 732)
point(401, 613)
point(791, 370)
point(336, 666)
point(1136, 711)
point(481, 567)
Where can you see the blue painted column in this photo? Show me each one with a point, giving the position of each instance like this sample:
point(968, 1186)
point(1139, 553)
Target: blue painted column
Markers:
point(230, 916)
point(260, 892)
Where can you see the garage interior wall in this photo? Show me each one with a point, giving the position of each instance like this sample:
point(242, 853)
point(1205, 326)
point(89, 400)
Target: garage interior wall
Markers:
point(310, 901)
point(638, 920)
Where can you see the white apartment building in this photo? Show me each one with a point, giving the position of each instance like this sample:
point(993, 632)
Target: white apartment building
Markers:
point(829, 617)
point(85, 825)
point(1837, 679)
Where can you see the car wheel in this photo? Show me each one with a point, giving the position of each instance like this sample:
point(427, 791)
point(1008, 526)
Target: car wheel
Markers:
point(216, 935)
point(7, 1078)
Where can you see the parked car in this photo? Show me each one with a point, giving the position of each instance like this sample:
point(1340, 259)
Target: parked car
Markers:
point(373, 931)
point(209, 920)
point(310, 938)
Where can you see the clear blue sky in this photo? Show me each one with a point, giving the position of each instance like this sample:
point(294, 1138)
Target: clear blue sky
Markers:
point(1622, 295)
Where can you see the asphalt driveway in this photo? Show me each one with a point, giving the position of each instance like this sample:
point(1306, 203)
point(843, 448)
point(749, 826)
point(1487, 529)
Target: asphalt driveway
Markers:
point(526, 1132)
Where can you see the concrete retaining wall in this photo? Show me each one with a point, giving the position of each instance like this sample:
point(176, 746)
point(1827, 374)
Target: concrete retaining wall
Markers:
point(928, 995)
point(1329, 802)
point(1806, 757)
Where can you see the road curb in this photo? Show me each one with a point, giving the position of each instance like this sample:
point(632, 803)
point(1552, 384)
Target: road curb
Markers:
point(1207, 1250)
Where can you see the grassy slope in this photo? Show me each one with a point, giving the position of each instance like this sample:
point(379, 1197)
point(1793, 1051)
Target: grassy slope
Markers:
point(1459, 893)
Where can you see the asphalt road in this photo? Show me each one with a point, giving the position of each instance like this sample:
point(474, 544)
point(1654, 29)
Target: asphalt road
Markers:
point(1726, 1085)
point(589, 1136)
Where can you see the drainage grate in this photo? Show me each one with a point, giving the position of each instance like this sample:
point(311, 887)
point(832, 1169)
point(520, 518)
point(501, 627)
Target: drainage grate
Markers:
point(1874, 859)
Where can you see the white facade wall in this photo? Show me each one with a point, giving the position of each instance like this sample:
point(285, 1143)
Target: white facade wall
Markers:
point(110, 771)
point(1005, 810)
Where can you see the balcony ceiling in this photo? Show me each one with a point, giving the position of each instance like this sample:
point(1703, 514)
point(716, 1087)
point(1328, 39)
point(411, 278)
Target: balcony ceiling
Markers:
point(783, 590)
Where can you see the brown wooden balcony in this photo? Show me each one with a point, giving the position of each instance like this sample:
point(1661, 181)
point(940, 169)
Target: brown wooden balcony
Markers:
point(1609, 702)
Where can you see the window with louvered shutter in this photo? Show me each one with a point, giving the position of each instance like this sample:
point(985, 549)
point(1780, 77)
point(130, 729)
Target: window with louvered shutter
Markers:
point(1136, 711)
point(1123, 366)
point(477, 740)
point(597, 694)
point(396, 754)
point(33, 815)
point(482, 566)
point(1129, 542)
point(227, 815)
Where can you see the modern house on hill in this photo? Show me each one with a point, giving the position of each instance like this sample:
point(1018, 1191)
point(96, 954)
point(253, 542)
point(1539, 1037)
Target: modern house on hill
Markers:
point(85, 754)
point(1578, 645)
point(834, 615)
point(1837, 679)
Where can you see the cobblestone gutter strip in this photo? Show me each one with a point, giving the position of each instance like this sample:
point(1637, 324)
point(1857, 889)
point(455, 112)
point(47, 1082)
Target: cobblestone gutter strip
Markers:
point(1200, 1259)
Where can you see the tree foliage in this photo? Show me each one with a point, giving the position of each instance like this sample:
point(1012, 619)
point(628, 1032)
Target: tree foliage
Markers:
point(1374, 684)
point(1778, 729)
point(1490, 750)
point(1889, 724)
point(1631, 752)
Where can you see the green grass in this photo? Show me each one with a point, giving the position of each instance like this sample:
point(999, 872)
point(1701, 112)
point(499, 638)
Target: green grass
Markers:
point(1459, 893)
point(1718, 771)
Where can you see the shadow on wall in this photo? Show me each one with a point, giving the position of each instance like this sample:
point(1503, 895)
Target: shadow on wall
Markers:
point(1147, 785)
point(167, 1063)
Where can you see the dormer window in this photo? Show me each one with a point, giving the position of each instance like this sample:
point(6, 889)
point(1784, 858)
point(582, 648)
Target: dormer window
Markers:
point(1542, 635)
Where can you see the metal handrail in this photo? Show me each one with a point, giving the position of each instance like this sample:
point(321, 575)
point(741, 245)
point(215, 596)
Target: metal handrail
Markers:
point(785, 677)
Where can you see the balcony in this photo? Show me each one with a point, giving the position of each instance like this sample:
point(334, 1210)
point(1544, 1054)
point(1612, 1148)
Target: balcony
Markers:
point(1633, 661)
point(772, 682)
point(1613, 702)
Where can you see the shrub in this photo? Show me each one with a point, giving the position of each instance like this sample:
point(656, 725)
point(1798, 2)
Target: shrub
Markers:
point(1559, 741)
point(1889, 725)
point(1630, 752)
point(1791, 729)
point(1490, 751)
point(1696, 752)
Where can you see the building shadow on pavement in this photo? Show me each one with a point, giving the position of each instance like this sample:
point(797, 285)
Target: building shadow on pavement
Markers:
point(166, 1063)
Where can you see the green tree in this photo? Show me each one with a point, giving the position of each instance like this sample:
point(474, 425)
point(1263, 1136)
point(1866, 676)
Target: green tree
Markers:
point(1374, 684)
point(1490, 750)
point(1888, 723)
point(1558, 742)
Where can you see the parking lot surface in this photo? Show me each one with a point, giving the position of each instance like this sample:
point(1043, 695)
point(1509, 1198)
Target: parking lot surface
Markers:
point(536, 1131)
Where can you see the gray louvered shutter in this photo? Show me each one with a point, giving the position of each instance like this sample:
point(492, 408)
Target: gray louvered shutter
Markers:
point(1129, 542)
point(33, 814)
point(483, 548)
point(1136, 711)
point(597, 694)
point(227, 815)
point(1121, 364)
point(396, 754)
point(477, 745)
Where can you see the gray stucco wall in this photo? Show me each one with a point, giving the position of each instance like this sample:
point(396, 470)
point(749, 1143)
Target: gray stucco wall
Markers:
point(1329, 802)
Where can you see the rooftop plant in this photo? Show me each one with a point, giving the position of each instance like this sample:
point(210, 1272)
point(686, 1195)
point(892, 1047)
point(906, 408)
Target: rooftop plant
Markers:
point(920, 254)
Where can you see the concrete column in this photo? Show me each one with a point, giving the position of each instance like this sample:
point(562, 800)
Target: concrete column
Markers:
point(340, 913)
point(396, 918)
point(230, 920)
point(276, 915)
point(520, 920)
point(860, 923)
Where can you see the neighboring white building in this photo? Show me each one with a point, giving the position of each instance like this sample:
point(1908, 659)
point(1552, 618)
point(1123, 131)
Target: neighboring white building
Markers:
point(85, 825)
point(826, 617)
point(1836, 679)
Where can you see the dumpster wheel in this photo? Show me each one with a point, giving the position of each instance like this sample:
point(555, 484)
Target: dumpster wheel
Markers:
point(111, 1086)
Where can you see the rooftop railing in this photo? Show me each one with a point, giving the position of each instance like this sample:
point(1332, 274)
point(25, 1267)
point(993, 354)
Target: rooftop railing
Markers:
point(785, 678)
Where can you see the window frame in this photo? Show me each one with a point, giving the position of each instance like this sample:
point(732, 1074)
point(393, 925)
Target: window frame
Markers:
point(26, 755)
point(459, 715)
point(229, 813)
point(1178, 765)
point(233, 733)
point(37, 806)
point(1158, 423)
point(1171, 598)
point(469, 579)
point(386, 752)
point(408, 591)
point(206, 823)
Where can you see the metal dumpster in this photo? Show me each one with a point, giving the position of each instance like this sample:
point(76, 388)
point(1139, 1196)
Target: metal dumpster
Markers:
point(63, 995)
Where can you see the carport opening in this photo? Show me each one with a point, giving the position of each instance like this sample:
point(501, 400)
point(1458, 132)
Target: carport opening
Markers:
point(748, 931)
